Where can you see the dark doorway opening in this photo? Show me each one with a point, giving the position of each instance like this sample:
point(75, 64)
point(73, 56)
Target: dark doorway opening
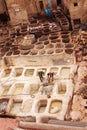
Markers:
point(58, 2)
point(4, 17)
point(41, 5)
point(77, 21)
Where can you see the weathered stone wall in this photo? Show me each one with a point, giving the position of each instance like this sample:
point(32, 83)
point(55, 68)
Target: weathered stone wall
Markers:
point(17, 11)
point(30, 7)
point(79, 11)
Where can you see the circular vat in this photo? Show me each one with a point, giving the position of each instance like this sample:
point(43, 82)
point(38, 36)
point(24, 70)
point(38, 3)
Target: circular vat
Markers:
point(24, 52)
point(55, 40)
point(33, 52)
point(31, 46)
point(69, 45)
point(58, 50)
point(50, 51)
point(9, 53)
point(50, 46)
point(52, 37)
point(42, 52)
point(65, 36)
point(66, 40)
point(69, 51)
point(46, 42)
point(43, 38)
point(55, 106)
point(39, 43)
point(39, 46)
point(16, 52)
point(65, 32)
point(59, 45)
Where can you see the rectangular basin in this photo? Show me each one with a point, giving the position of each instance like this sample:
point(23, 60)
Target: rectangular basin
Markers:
point(47, 90)
point(18, 72)
point(18, 88)
point(61, 88)
point(29, 72)
point(55, 106)
point(42, 106)
point(27, 105)
point(6, 73)
point(16, 108)
point(65, 72)
point(34, 88)
point(6, 90)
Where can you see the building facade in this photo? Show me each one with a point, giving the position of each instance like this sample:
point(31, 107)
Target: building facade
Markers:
point(20, 10)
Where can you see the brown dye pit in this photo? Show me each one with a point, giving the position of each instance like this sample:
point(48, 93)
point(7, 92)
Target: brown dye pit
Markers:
point(61, 88)
point(85, 79)
point(33, 52)
point(42, 106)
point(65, 72)
point(42, 52)
point(43, 38)
point(39, 46)
point(54, 33)
point(9, 53)
point(16, 108)
point(65, 36)
point(50, 46)
point(55, 106)
point(31, 46)
point(69, 45)
point(59, 50)
point(64, 32)
point(69, 51)
point(59, 45)
point(17, 52)
point(53, 37)
point(46, 42)
point(6, 73)
point(66, 40)
point(50, 51)
point(38, 43)
point(18, 71)
point(34, 88)
point(55, 40)
point(18, 88)
point(29, 72)
point(24, 52)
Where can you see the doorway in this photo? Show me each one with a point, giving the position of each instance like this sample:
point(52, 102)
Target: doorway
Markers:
point(4, 15)
point(59, 2)
point(41, 5)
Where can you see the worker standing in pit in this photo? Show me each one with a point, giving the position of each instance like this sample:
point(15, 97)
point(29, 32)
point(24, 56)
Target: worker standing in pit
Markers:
point(41, 74)
point(50, 76)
